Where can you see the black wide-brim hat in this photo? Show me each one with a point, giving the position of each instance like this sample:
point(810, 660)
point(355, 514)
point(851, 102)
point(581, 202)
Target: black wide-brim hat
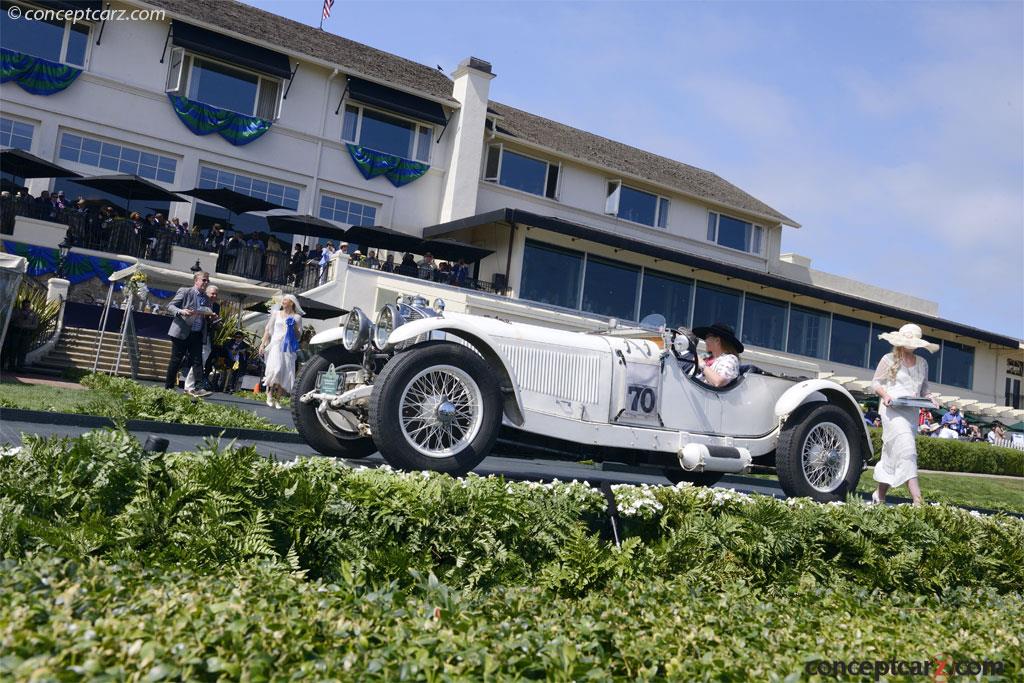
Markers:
point(722, 331)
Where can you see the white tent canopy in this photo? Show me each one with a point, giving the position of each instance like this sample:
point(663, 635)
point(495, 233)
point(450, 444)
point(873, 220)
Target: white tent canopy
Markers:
point(227, 284)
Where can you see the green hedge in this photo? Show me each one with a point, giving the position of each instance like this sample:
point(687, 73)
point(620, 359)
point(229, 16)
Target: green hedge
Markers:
point(69, 621)
point(100, 495)
point(951, 455)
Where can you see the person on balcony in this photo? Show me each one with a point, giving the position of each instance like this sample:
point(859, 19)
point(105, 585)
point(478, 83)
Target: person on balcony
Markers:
point(325, 259)
point(408, 266)
point(298, 262)
point(460, 273)
point(389, 264)
point(372, 261)
point(427, 267)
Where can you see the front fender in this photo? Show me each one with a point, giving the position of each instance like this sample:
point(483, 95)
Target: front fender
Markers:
point(330, 336)
point(822, 391)
point(484, 345)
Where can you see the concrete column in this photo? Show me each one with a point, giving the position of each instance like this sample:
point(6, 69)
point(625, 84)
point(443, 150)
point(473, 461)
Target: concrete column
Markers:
point(471, 89)
point(57, 289)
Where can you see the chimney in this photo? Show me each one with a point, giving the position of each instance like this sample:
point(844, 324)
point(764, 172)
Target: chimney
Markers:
point(472, 85)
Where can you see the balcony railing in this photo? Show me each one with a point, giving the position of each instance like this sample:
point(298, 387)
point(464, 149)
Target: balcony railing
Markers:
point(497, 286)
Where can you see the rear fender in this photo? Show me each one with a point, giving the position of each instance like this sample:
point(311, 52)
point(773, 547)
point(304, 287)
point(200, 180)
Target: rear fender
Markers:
point(483, 343)
point(823, 391)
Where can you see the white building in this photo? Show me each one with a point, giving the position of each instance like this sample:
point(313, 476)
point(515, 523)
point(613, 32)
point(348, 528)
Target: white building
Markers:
point(583, 227)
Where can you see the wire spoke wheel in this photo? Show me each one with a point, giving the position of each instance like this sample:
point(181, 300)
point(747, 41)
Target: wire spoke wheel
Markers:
point(440, 411)
point(825, 456)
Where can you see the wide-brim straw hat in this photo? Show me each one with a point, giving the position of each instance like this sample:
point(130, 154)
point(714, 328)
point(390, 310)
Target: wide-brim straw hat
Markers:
point(909, 337)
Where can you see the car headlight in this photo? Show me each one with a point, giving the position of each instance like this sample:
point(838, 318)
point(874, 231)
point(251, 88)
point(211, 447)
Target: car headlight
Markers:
point(357, 330)
point(388, 320)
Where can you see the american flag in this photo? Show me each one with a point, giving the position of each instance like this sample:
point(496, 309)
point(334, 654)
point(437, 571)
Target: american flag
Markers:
point(327, 8)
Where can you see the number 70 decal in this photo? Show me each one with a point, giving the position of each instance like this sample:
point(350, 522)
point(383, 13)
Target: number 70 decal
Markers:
point(642, 399)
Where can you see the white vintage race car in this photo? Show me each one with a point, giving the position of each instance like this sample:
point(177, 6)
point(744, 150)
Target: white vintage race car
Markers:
point(433, 391)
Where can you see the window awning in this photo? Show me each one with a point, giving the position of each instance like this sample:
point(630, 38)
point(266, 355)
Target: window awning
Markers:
point(397, 101)
point(230, 49)
point(514, 217)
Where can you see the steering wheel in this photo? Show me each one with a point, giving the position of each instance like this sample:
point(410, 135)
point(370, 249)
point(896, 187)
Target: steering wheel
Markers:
point(690, 355)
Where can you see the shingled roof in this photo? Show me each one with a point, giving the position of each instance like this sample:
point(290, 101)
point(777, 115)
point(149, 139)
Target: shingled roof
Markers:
point(247, 21)
point(587, 147)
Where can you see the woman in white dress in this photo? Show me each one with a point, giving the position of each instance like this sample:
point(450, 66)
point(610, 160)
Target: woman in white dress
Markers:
point(279, 347)
point(900, 374)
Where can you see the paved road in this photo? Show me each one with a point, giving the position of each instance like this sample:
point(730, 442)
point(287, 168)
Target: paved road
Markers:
point(513, 468)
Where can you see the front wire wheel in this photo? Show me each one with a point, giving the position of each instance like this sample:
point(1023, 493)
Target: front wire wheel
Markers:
point(441, 411)
point(819, 454)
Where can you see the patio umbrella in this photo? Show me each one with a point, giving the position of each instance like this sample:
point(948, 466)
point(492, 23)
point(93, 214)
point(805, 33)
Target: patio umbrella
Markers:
point(129, 187)
point(234, 202)
point(453, 250)
point(314, 309)
point(21, 164)
point(304, 224)
point(383, 238)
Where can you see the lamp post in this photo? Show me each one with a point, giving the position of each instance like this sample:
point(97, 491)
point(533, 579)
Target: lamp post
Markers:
point(197, 268)
point(63, 249)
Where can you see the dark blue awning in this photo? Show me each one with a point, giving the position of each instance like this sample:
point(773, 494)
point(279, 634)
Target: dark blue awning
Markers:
point(230, 49)
point(397, 101)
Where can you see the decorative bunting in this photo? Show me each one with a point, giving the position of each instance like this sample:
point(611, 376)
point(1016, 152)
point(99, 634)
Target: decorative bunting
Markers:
point(202, 119)
point(34, 74)
point(372, 163)
point(78, 269)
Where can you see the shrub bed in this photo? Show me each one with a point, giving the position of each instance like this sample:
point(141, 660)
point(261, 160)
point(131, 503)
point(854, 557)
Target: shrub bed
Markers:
point(68, 621)
point(100, 495)
point(951, 455)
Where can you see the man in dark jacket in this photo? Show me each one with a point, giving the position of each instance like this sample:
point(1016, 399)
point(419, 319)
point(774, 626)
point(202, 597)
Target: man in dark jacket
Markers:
point(191, 310)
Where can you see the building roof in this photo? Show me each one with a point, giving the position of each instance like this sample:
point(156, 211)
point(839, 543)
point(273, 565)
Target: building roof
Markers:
point(349, 56)
point(509, 216)
point(591, 148)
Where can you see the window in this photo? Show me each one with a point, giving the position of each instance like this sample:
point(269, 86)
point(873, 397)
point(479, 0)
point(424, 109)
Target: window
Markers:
point(117, 158)
point(879, 347)
point(935, 360)
point(850, 341)
point(57, 41)
point(1012, 393)
point(636, 205)
point(347, 211)
point(610, 288)
point(764, 322)
point(288, 197)
point(957, 365)
point(521, 172)
point(16, 134)
point(668, 295)
point(717, 304)
point(223, 86)
point(551, 275)
point(385, 133)
point(808, 332)
point(734, 233)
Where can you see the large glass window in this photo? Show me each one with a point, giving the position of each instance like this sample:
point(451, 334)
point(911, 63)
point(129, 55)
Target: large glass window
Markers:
point(116, 157)
point(221, 86)
point(523, 173)
point(283, 195)
point(667, 295)
point(343, 210)
point(636, 205)
point(16, 134)
point(879, 347)
point(385, 133)
point(935, 360)
point(808, 332)
point(764, 322)
point(610, 288)
point(958, 365)
point(734, 233)
point(44, 38)
point(717, 305)
point(850, 341)
point(551, 275)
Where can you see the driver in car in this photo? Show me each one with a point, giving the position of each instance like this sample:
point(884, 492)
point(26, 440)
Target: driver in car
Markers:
point(722, 365)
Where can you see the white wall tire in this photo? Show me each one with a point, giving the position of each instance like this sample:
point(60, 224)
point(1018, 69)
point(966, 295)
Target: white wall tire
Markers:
point(436, 407)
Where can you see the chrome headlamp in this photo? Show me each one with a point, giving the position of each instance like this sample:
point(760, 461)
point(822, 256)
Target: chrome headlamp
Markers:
point(357, 330)
point(389, 319)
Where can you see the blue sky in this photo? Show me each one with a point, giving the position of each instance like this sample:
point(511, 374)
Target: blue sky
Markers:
point(892, 131)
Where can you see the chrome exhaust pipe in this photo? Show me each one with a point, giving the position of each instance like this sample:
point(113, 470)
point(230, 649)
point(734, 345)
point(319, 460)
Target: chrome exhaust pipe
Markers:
point(697, 457)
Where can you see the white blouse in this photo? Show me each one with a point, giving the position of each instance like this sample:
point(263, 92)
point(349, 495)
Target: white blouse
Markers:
point(909, 382)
